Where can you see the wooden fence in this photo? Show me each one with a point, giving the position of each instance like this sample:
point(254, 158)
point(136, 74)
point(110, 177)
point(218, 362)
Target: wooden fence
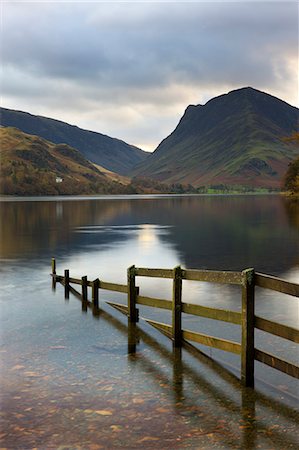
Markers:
point(247, 280)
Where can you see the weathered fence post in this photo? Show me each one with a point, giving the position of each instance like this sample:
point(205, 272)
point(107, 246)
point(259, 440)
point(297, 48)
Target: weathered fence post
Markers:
point(132, 337)
point(177, 307)
point(53, 265)
point(95, 294)
point(84, 293)
point(84, 288)
point(247, 355)
point(67, 284)
point(132, 292)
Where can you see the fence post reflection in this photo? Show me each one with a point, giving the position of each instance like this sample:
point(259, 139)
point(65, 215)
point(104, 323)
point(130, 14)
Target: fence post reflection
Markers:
point(249, 436)
point(177, 374)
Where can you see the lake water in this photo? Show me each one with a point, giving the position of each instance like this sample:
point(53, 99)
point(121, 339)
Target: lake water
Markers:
point(68, 381)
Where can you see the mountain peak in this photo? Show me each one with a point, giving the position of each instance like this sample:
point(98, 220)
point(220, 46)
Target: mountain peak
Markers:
point(234, 139)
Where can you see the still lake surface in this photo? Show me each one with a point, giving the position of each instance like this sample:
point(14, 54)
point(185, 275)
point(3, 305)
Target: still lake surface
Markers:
point(67, 378)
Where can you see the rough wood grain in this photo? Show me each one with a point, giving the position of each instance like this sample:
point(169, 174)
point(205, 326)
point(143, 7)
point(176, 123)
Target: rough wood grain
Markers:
point(276, 284)
point(212, 313)
point(277, 363)
point(247, 355)
point(212, 276)
point(284, 331)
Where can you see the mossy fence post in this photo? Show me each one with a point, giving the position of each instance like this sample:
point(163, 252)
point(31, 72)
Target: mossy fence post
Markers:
point(177, 307)
point(95, 294)
point(84, 293)
point(132, 293)
point(53, 266)
point(247, 352)
point(66, 284)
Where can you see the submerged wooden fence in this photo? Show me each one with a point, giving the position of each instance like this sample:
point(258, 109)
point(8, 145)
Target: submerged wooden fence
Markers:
point(247, 280)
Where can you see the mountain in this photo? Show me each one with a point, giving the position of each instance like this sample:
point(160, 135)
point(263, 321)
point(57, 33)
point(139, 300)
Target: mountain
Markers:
point(234, 139)
point(30, 165)
point(111, 153)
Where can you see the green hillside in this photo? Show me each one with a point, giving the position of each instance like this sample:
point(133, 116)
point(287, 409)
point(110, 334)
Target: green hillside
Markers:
point(31, 165)
point(111, 153)
point(234, 139)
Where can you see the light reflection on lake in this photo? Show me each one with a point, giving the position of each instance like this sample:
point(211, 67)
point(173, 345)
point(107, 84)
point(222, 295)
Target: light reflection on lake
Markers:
point(52, 354)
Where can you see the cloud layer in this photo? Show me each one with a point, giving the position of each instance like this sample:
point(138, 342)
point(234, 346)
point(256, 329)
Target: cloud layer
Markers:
point(130, 69)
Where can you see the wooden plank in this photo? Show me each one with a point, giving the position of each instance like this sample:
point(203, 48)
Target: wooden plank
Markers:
point(75, 280)
point(103, 285)
point(59, 278)
point(210, 341)
point(276, 284)
point(177, 307)
point(212, 313)
point(156, 273)
point(75, 293)
point(122, 308)
point(133, 311)
point(212, 276)
point(154, 302)
point(284, 331)
point(247, 354)
point(114, 287)
point(163, 327)
point(277, 363)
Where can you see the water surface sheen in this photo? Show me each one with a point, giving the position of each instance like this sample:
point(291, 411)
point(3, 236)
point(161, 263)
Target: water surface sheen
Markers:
point(71, 379)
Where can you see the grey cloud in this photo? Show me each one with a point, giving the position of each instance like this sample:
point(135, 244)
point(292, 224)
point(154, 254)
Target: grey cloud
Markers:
point(144, 57)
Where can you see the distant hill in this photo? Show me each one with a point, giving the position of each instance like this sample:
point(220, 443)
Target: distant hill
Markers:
point(30, 165)
point(235, 139)
point(111, 153)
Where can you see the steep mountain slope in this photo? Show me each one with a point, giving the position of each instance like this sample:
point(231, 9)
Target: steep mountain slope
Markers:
point(31, 165)
point(113, 154)
point(234, 139)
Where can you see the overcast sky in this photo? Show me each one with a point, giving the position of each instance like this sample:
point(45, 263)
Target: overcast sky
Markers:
point(130, 69)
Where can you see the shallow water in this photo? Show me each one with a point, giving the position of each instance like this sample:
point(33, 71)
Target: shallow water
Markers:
point(68, 380)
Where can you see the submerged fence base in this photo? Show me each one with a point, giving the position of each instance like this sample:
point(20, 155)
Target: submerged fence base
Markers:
point(247, 280)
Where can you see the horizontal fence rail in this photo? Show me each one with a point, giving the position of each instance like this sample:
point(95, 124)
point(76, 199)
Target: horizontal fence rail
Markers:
point(154, 302)
point(276, 284)
point(212, 313)
point(277, 329)
point(247, 280)
point(212, 276)
point(277, 363)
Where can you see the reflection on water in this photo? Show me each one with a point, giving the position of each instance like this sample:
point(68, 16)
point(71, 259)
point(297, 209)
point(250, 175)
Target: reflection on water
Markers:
point(208, 232)
point(75, 379)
